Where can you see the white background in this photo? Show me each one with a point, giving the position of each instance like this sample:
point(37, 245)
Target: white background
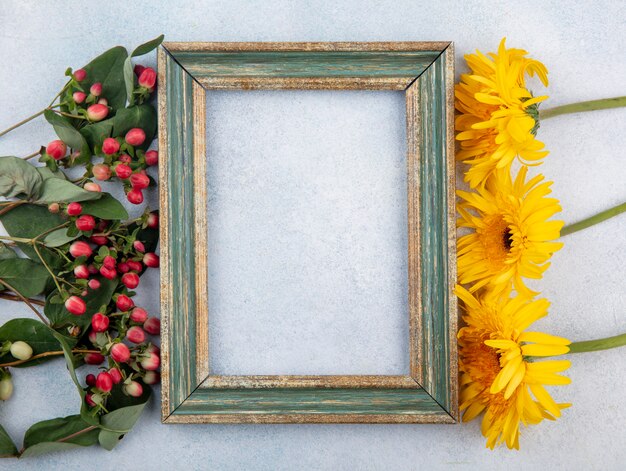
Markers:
point(582, 45)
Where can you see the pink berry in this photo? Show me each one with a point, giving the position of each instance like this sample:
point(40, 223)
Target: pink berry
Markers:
point(135, 137)
point(104, 382)
point(108, 273)
point(85, 223)
point(151, 260)
point(136, 335)
point(94, 284)
point(97, 112)
point(152, 157)
point(123, 171)
point(153, 221)
point(120, 353)
point(116, 375)
point(79, 97)
point(109, 262)
point(139, 315)
point(92, 269)
point(133, 389)
point(152, 348)
point(93, 337)
point(138, 246)
point(139, 181)
point(123, 267)
point(99, 240)
point(124, 303)
point(80, 75)
point(94, 358)
point(56, 149)
point(90, 380)
point(99, 322)
point(135, 266)
point(152, 326)
point(151, 377)
point(81, 272)
point(135, 196)
point(151, 363)
point(80, 249)
point(103, 101)
point(148, 78)
point(130, 280)
point(125, 158)
point(91, 186)
point(75, 305)
point(96, 89)
point(101, 172)
point(74, 209)
point(110, 146)
point(54, 208)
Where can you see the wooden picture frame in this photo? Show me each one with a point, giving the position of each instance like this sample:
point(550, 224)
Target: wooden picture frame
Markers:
point(190, 393)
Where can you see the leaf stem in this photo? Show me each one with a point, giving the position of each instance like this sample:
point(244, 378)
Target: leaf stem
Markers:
point(46, 354)
point(598, 344)
point(592, 105)
point(24, 299)
point(45, 264)
point(595, 219)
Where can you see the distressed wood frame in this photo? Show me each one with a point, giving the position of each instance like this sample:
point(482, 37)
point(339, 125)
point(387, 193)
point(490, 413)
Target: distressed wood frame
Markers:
point(190, 394)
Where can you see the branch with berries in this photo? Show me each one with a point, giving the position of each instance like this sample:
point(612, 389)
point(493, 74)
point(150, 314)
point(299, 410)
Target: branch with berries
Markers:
point(74, 257)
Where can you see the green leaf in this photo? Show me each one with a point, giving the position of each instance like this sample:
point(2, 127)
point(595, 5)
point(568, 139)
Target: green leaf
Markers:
point(96, 133)
point(68, 133)
point(46, 173)
point(107, 207)
point(117, 423)
point(95, 299)
point(6, 252)
point(18, 178)
point(27, 277)
point(29, 221)
point(108, 69)
point(39, 336)
point(149, 237)
point(55, 190)
point(129, 75)
point(57, 434)
point(59, 237)
point(142, 116)
point(7, 447)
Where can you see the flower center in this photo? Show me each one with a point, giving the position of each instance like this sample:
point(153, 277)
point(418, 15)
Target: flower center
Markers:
point(497, 239)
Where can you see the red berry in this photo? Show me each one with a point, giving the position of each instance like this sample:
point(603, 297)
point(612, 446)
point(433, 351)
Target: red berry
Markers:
point(79, 97)
point(99, 240)
point(153, 221)
point(135, 137)
point(138, 69)
point(133, 389)
point(89, 399)
point(85, 223)
point(120, 353)
point(94, 358)
point(74, 209)
point(151, 377)
point(135, 196)
point(97, 112)
point(75, 305)
point(138, 246)
point(123, 267)
point(56, 149)
point(92, 269)
point(136, 335)
point(124, 303)
point(94, 284)
point(81, 271)
point(139, 181)
point(96, 89)
point(116, 375)
point(90, 380)
point(130, 280)
point(147, 78)
point(109, 262)
point(135, 266)
point(125, 158)
point(151, 260)
point(152, 326)
point(99, 322)
point(80, 75)
point(139, 315)
point(110, 146)
point(80, 249)
point(104, 382)
point(108, 273)
point(152, 157)
point(151, 363)
point(123, 171)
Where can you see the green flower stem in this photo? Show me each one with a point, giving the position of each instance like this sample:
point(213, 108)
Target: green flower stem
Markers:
point(24, 121)
point(595, 219)
point(599, 344)
point(34, 154)
point(592, 105)
point(47, 354)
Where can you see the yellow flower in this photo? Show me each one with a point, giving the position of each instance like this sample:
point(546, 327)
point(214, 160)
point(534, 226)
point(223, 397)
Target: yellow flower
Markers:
point(498, 116)
point(511, 234)
point(499, 376)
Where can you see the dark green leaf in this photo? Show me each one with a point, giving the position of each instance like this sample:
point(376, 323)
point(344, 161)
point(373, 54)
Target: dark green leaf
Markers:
point(7, 447)
point(95, 299)
point(96, 133)
point(56, 434)
point(106, 207)
point(149, 237)
point(6, 252)
point(36, 334)
point(117, 423)
point(25, 276)
point(129, 75)
point(108, 69)
point(18, 178)
point(59, 237)
point(55, 190)
point(142, 116)
point(67, 133)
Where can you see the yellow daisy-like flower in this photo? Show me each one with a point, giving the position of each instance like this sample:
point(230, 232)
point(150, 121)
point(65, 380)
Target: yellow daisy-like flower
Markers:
point(498, 116)
point(511, 234)
point(499, 376)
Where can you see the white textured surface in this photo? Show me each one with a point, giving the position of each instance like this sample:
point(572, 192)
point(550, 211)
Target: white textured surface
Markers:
point(582, 44)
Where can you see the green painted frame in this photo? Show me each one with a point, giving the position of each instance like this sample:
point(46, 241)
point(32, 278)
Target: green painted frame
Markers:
point(425, 71)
